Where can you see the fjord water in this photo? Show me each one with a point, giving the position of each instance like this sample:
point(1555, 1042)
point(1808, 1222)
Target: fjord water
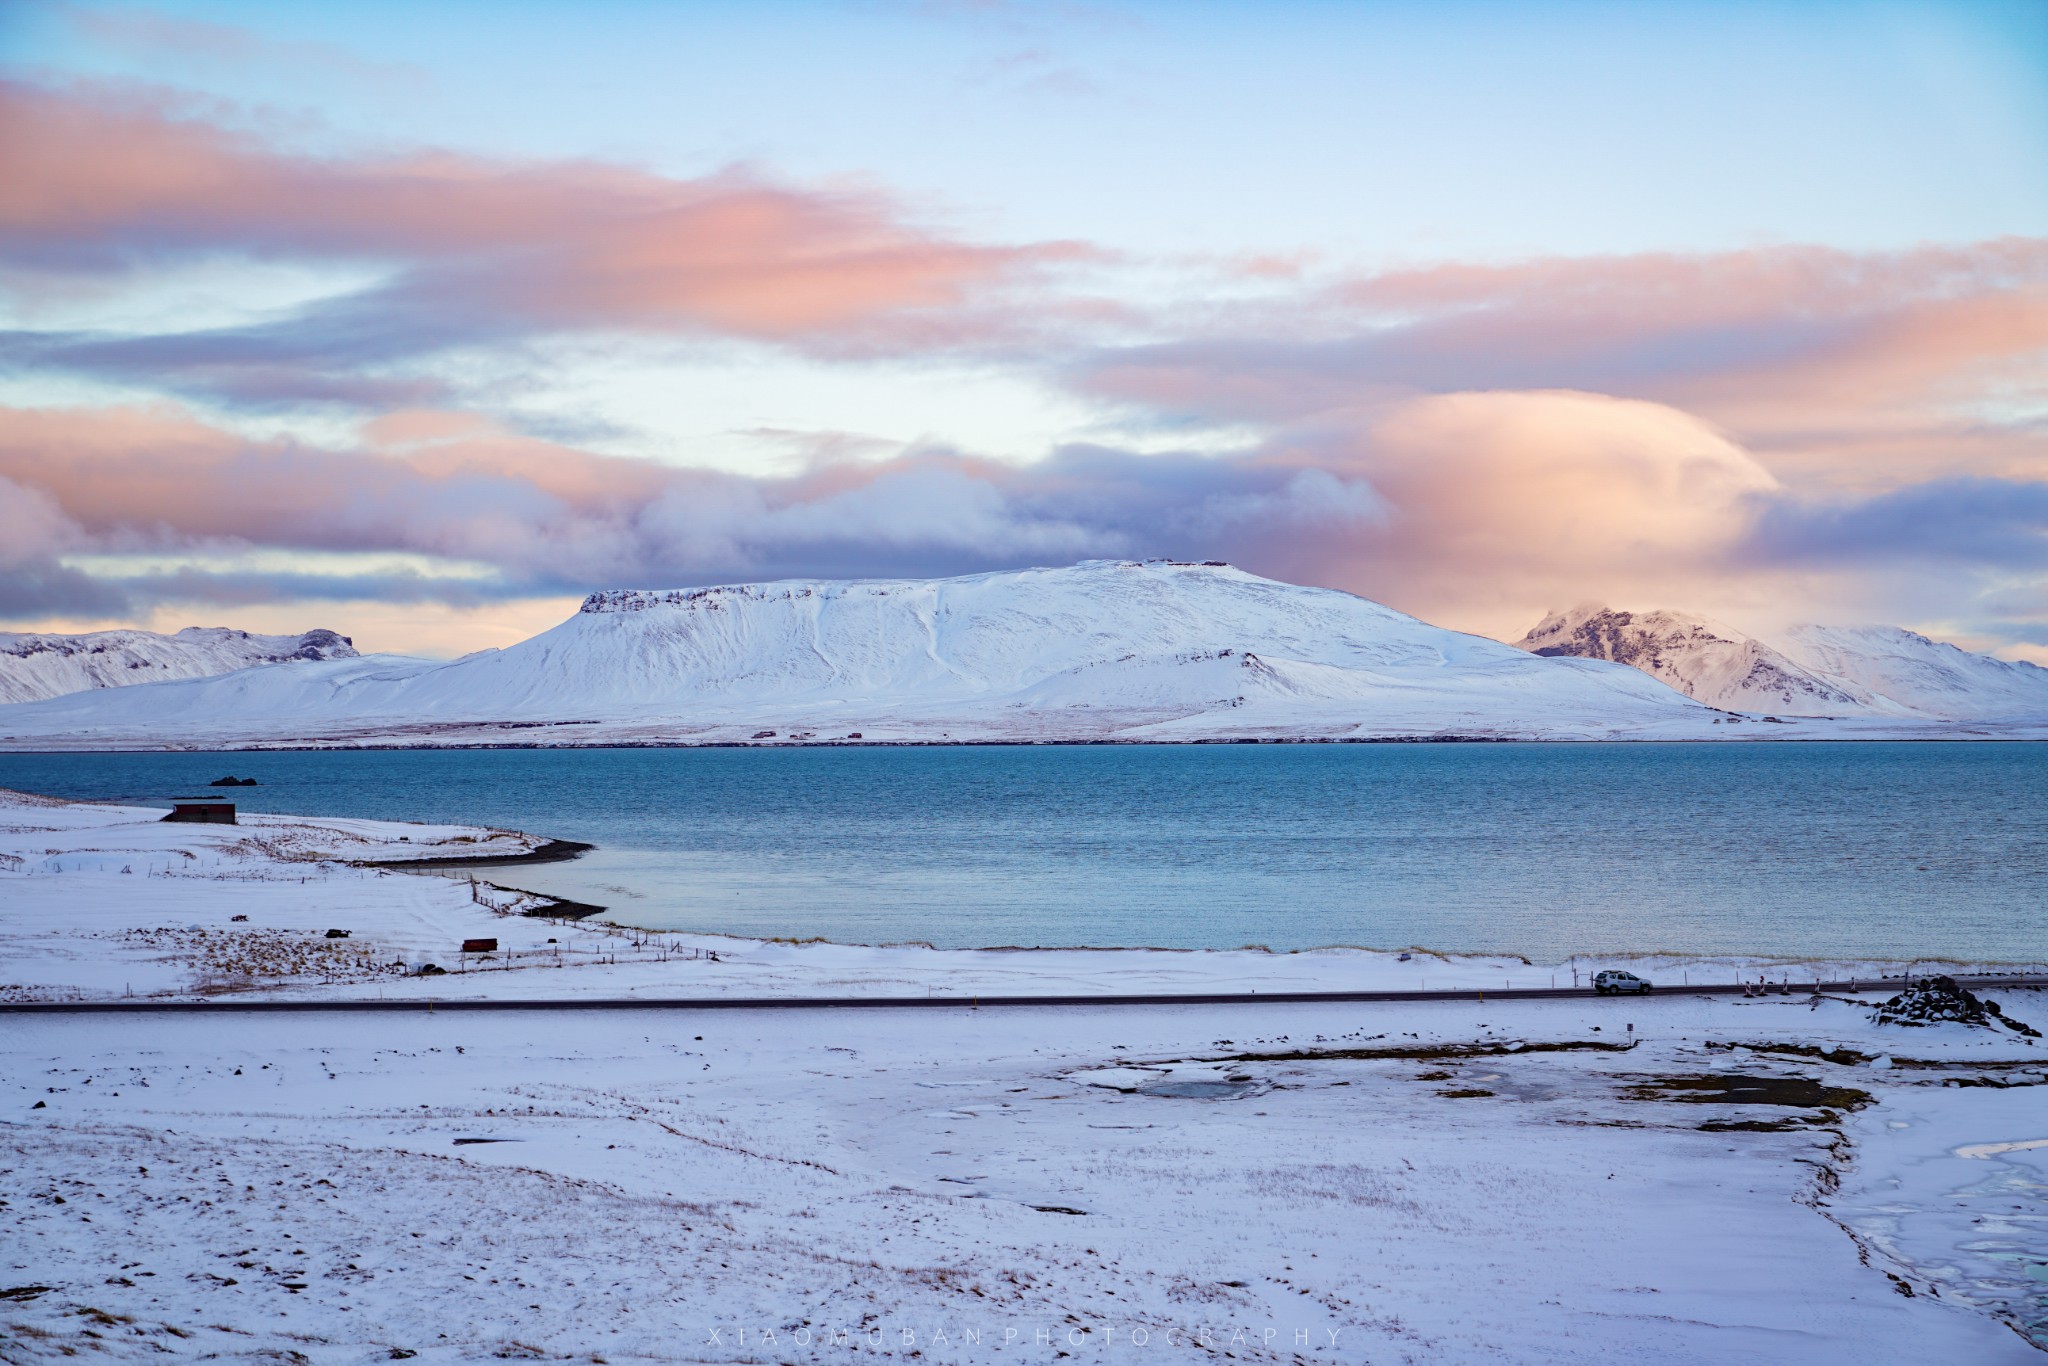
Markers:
point(1802, 850)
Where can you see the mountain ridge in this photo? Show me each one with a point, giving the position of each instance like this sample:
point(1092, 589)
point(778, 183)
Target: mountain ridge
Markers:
point(1703, 659)
point(1103, 650)
point(1817, 671)
point(1098, 650)
point(39, 665)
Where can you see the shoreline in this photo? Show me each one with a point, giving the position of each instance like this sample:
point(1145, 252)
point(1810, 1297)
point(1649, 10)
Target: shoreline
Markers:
point(554, 851)
point(2034, 733)
point(1652, 960)
point(987, 970)
point(1841, 992)
point(515, 849)
point(1649, 959)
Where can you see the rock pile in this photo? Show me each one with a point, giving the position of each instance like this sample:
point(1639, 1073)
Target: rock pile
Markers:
point(1941, 1000)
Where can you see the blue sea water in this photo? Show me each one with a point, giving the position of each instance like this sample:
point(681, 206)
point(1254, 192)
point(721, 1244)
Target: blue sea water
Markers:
point(1807, 850)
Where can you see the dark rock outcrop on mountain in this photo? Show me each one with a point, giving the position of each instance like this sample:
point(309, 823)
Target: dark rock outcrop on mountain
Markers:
point(1708, 662)
point(1843, 671)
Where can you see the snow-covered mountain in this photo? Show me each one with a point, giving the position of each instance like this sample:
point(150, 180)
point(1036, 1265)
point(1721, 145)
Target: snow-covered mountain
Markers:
point(39, 666)
point(1715, 664)
point(1099, 650)
point(1810, 671)
point(1902, 673)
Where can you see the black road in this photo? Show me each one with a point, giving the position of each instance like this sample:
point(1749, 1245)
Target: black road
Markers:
point(961, 1002)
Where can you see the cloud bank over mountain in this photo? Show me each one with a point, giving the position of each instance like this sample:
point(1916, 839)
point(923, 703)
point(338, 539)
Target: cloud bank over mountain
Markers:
point(1772, 432)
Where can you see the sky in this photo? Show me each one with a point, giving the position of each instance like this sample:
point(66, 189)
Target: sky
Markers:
point(420, 321)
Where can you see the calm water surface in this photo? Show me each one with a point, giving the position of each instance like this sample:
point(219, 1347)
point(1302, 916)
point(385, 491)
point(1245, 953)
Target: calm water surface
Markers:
point(1891, 850)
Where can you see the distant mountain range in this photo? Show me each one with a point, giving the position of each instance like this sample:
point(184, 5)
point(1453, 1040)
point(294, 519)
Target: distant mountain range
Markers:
point(1099, 650)
point(1809, 671)
point(1103, 650)
point(38, 666)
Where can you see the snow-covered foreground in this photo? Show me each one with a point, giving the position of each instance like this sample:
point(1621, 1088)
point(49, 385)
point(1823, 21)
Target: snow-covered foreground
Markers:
point(1430, 1181)
point(679, 1187)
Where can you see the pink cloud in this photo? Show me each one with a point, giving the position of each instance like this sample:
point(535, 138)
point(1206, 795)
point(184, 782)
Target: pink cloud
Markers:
point(1843, 372)
point(543, 513)
point(93, 179)
point(1500, 501)
point(1738, 330)
point(1478, 510)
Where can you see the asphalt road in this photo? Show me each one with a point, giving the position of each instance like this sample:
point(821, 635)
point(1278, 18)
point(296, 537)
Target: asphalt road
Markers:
point(968, 1002)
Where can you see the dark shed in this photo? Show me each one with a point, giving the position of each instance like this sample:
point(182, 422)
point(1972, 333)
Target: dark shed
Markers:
point(204, 810)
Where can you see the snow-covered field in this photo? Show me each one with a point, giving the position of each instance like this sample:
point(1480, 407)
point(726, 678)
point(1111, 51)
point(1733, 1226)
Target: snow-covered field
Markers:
point(1429, 1181)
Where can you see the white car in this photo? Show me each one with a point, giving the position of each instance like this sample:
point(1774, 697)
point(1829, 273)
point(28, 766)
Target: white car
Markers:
point(1615, 982)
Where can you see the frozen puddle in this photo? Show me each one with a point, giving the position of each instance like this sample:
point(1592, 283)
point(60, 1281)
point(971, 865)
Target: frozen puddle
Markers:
point(2005, 1267)
point(1175, 1081)
point(1994, 1149)
point(1965, 1216)
point(1201, 1090)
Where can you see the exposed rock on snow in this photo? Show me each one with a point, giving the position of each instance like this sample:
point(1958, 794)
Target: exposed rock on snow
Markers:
point(1702, 659)
point(1812, 671)
point(38, 666)
point(1940, 1000)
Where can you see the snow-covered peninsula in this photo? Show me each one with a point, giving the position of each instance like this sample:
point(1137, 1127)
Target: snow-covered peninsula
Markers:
point(1103, 650)
point(1773, 1178)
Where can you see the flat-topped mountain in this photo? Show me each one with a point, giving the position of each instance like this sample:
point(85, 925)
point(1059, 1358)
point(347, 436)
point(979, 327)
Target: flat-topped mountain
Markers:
point(1152, 650)
point(38, 666)
point(1809, 671)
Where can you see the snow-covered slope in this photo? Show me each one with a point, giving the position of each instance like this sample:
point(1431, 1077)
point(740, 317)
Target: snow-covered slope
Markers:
point(1902, 673)
point(38, 666)
point(1103, 649)
point(1874, 671)
point(1715, 664)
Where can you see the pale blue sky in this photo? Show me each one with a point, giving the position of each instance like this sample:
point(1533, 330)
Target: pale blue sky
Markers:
point(1381, 132)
